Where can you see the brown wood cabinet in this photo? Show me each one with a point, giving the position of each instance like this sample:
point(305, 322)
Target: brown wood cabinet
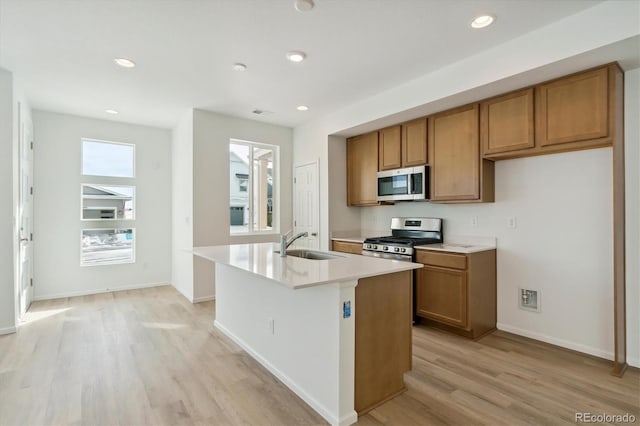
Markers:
point(383, 326)
point(404, 145)
point(506, 122)
point(457, 292)
point(362, 169)
point(414, 143)
point(571, 113)
point(458, 174)
point(389, 142)
point(346, 246)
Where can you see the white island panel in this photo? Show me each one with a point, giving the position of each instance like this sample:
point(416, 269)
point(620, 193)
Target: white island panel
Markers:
point(300, 336)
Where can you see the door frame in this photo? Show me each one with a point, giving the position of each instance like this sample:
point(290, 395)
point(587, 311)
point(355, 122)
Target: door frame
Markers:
point(315, 163)
point(23, 299)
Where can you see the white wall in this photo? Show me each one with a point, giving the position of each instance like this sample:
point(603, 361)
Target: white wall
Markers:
point(206, 180)
point(57, 157)
point(7, 205)
point(182, 206)
point(562, 245)
point(594, 36)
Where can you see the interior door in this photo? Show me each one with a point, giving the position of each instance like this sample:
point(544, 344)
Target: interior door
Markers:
point(306, 204)
point(26, 217)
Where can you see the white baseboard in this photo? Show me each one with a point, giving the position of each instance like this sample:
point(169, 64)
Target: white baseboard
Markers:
point(203, 299)
point(96, 291)
point(319, 408)
point(600, 353)
point(633, 362)
point(7, 330)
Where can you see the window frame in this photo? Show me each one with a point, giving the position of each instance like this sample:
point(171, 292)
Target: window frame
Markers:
point(275, 188)
point(133, 202)
point(133, 169)
point(133, 247)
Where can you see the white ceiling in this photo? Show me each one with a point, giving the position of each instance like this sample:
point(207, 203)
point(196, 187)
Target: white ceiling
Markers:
point(61, 51)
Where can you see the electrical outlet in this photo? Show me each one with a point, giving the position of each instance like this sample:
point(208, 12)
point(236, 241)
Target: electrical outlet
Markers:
point(474, 221)
point(512, 222)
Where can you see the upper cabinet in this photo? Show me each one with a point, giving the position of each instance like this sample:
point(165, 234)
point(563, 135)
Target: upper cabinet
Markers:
point(458, 174)
point(414, 143)
point(404, 145)
point(362, 170)
point(389, 148)
point(579, 111)
point(571, 113)
point(573, 109)
point(506, 122)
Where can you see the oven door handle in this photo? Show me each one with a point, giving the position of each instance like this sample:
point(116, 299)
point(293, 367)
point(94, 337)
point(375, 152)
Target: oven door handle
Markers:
point(410, 184)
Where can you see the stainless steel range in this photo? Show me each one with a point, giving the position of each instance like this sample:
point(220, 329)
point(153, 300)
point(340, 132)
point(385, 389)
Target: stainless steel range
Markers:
point(406, 232)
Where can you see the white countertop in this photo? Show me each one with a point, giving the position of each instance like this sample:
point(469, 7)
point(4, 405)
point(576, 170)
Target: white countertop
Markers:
point(462, 244)
point(352, 239)
point(455, 248)
point(295, 272)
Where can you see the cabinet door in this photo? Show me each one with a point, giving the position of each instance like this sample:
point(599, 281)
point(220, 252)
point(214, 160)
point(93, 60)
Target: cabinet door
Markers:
point(362, 169)
point(506, 122)
point(389, 148)
point(441, 295)
point(573, 109)
point(347, 247)
point(414, 143)
point(454, 152)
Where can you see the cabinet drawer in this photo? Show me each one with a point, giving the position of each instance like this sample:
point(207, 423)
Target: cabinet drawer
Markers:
point(347, 247)
point(447, 260)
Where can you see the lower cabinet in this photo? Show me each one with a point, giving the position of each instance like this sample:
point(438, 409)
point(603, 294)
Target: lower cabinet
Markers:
point(346, 246)
point(457, 292)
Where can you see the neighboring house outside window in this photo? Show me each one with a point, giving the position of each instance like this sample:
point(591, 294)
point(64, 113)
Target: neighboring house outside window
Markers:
point(253, 179)
point(111, 203)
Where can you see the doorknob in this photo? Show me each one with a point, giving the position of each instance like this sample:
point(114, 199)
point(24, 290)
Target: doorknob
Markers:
point(22, 240)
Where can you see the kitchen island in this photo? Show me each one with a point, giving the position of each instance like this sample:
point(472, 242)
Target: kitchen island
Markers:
point(337, 331)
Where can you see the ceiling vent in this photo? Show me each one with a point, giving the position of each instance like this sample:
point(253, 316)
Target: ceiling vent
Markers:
point(261, 111)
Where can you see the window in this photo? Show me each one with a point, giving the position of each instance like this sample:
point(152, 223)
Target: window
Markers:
point(111, 198)
point(100, 158)
point(107, 202)
point(107, 246)
point(243, 182)
point(253, 187)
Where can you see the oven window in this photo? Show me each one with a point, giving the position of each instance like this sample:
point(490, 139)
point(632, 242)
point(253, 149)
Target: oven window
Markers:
point(393, 185)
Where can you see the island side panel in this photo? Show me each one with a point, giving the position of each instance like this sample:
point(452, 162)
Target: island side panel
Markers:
point(298, 335)
point(383, 338)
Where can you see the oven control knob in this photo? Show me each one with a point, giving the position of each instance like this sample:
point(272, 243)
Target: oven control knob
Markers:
point(367, 246)
point(397, 249)
point(375, 247)
point(404, 250)
point(385, 248)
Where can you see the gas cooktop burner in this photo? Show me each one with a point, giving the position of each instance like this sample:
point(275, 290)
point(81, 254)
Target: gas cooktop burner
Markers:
point(406, 233)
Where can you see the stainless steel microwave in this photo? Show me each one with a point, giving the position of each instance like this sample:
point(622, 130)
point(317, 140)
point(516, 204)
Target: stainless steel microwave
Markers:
point(411, 183)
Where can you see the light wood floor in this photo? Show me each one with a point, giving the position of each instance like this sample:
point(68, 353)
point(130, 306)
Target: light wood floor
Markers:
point(150, 357)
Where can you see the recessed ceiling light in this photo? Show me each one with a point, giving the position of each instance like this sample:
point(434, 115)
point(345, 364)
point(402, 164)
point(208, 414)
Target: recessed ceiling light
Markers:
point(296, 56)
point(239, 67)
point(302, 108)
point(111, 111)
point(303, 5)
point(125, 63)
point(482, 21)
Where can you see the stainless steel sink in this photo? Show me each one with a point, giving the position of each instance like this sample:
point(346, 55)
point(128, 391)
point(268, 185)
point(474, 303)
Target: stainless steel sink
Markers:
point(311, 254)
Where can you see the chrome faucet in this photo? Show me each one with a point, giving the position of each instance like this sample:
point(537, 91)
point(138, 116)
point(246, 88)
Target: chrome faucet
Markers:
point(284, 243)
